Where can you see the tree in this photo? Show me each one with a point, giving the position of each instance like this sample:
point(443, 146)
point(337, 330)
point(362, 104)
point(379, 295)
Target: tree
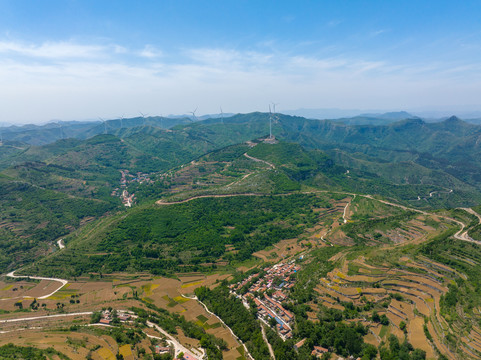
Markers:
point(19, 305)
point(95, 317)
point(384, 320)
point(369, 352)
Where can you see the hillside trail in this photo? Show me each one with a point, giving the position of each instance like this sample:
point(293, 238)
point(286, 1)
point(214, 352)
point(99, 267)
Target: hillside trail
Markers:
point(272, 166)
point(62, 281)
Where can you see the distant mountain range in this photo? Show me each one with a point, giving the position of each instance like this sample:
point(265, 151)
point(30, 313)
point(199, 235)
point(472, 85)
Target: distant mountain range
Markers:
point(53, 131)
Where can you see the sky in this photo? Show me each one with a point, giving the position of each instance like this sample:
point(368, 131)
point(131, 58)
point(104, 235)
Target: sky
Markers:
point(85, 59)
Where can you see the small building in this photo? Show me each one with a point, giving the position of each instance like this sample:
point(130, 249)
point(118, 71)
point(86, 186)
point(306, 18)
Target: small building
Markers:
point(161, 349)
point(105, 321)
point(319, 351)
point(300, 343)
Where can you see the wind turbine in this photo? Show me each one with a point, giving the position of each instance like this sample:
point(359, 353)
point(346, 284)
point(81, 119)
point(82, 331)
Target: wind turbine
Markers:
point(193, 114)
point(270, 122)
point(143, 117)
point(105, 124)
point(221, 115)
point(161, 121)
point(122, 121)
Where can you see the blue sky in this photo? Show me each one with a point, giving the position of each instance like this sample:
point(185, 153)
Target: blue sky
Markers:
point(87, 59)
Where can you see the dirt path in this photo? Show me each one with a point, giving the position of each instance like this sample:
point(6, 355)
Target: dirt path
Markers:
point(271, 351)
point(45, 317)
point(471, 211)
point(161, 202)
point(272, 166)
point(62, 281)
point(345, 209)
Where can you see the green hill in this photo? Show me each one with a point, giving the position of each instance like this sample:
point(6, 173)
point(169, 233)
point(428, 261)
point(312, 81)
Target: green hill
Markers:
point(410, 161)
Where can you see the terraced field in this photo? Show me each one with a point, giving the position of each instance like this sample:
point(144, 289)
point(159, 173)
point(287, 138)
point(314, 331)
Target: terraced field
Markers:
point(408, 295)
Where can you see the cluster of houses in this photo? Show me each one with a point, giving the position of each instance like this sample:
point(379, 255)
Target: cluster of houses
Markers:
point(127, 178)
point(268, 292)
point(107, 317)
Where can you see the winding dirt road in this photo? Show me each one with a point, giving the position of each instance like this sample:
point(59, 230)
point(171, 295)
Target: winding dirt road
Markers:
point(62, 281)
point(272, 166)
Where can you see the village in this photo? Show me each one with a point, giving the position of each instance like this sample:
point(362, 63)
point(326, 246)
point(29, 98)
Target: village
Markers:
point(128, 178)
point(267, 292)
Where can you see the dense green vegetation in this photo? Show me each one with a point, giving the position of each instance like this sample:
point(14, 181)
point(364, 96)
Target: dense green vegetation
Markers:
point(33, 217)
point(11, 351)
point(192, 235)
point(400, 351)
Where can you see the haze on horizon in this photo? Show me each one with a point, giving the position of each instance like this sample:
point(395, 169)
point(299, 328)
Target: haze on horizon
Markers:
point(74, 60)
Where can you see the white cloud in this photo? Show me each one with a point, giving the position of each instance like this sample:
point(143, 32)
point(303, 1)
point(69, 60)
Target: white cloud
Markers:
point(86, 81)
point(53, 50)
point(378, 32)
point(150, 52)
